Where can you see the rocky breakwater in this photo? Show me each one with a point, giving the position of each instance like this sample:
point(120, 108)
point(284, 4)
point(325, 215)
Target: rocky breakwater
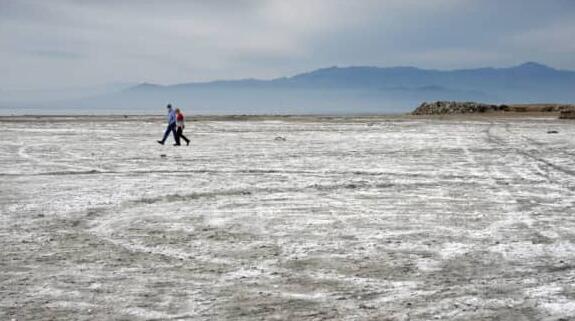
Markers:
point(565, 111)
point(567, 114)
point(454, 107)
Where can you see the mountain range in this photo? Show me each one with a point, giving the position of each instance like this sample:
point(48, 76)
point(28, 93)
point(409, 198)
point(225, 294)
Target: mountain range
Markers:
point(342, 90)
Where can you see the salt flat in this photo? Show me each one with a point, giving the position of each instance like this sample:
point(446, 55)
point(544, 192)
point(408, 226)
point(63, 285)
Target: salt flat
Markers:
point(387, 219)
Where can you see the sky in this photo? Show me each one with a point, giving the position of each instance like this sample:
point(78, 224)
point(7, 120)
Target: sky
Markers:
point(58, 44)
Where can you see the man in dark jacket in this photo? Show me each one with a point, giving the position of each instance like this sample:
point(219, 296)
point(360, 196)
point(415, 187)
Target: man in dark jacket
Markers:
point(171, 127)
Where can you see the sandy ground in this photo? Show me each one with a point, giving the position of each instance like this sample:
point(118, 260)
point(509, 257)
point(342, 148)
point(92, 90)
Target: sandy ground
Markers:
point(386, 219)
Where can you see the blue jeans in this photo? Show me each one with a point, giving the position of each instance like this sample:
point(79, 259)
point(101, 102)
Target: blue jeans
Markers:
point(171, 128)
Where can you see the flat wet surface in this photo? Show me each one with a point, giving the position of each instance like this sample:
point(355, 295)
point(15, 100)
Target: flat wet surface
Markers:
point(397, 219)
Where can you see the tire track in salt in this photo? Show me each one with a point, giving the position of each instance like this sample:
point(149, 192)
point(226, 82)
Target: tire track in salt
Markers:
point(501, 142)
point(481, 240)
point(534, 167)
point(24, 154)
point(543, 168)
point(107, 221)
point(543, 165)
point(513, 214)
point(522, 244)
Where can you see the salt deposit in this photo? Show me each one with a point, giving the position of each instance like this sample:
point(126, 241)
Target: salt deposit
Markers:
point(391, 219)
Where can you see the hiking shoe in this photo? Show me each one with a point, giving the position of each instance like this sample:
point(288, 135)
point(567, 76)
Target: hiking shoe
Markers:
point(160, 142)
point(188, 143)
point(176, 144)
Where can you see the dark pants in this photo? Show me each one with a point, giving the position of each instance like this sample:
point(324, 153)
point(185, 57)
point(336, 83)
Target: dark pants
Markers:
point(171, 128)
point(180, 134)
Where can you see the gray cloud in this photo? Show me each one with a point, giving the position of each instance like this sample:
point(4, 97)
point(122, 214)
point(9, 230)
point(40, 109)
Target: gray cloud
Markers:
point(70, 42)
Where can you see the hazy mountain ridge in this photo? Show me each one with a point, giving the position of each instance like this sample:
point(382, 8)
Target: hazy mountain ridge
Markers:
point(394, 77)
point(356, 89)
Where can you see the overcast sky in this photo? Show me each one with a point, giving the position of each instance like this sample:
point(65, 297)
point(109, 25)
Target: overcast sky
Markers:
point(71, 43)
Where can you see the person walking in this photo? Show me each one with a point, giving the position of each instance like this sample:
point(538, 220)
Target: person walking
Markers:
point(180, 126)
point(171, 127)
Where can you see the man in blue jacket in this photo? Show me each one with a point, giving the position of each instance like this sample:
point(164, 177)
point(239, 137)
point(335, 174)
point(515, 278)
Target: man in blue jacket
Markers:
point(171, 127)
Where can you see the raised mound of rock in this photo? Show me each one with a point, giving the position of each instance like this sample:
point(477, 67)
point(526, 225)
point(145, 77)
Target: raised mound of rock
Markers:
point(455, 107)
point(567, 114)
point(567, 111)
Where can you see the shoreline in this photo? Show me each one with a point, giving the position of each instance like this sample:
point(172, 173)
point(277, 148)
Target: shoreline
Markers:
point(295, 118)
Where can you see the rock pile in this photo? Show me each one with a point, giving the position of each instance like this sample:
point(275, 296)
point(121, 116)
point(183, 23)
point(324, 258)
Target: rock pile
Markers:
point(567, 114)
point(454, 107)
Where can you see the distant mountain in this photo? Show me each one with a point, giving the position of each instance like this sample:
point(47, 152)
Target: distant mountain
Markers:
point(347, 90)
point(366, 89)
point(528, 74)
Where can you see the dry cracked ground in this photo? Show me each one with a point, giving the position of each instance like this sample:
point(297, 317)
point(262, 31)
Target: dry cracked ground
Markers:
point(345, 219)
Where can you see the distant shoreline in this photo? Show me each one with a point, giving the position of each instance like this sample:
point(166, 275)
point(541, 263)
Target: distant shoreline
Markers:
point(292, 118)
